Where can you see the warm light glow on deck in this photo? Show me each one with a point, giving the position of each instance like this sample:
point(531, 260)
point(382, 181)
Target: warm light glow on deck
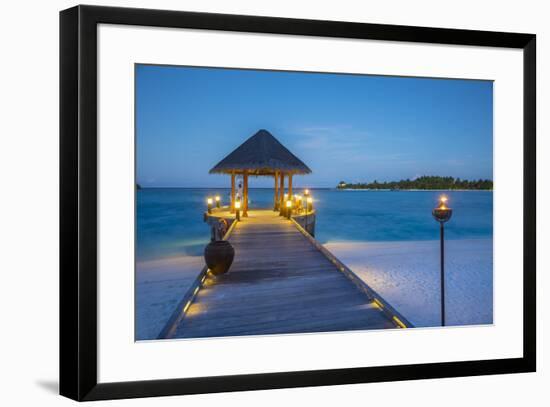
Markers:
point(237, 204)
point(217, 198)
point(399, 322)
point(289, 204)
point(209, 201)
point(197, 309)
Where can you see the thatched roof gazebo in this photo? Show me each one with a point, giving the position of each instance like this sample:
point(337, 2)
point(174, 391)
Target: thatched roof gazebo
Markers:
point(261, 155)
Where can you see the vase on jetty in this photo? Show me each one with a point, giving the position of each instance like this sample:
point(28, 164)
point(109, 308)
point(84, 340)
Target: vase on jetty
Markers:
point(219, 255)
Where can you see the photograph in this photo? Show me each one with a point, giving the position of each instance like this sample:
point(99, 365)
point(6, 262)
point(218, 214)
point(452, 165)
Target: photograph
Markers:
point(250, 203)
point(285, 202)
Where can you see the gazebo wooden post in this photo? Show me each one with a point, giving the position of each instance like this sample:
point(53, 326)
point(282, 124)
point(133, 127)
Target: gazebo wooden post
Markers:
point(232, 204)
point(276, 193)
point(245, 194)
point(289, 185)
point(281, 193)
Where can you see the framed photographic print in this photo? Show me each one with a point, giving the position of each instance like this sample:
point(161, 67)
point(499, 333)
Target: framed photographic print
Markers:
point(257, 202)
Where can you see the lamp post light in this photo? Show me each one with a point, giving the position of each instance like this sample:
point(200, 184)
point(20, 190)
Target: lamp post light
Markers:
point(442, 214)
point(238, 210)
point(217, 201)
point(209, 204)
point(288, 208)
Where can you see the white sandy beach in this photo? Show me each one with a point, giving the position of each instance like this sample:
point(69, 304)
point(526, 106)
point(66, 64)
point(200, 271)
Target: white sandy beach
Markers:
point(160, 285)
point(406, 274)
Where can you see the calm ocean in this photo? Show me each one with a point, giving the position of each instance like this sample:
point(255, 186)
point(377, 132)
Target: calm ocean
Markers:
point(170, 223)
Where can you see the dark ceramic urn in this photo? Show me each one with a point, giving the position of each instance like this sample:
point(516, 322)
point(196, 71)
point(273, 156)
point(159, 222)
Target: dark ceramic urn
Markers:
point(219, 255)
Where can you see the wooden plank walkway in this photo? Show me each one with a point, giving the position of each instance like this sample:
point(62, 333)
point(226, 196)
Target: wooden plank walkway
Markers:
point(279, 283)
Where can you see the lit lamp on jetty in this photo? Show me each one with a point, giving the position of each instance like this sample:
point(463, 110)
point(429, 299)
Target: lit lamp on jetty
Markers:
point(442, 214)
point(306, 199)
point(238, 210)
point(288, 208)
point(298, 202)
point(282, 211)
point(209, 202)
point(217, 198)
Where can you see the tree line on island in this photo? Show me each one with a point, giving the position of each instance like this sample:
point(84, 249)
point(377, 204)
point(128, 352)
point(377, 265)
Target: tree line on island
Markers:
point(424, 182)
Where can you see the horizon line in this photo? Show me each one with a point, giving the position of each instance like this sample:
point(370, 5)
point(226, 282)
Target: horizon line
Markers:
point(182, 187)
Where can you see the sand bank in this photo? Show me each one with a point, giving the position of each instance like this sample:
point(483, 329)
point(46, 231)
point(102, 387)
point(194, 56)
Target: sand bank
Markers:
point(406, 274)
point(160, 285)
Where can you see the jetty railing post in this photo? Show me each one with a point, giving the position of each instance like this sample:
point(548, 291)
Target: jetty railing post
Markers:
point(309, 207)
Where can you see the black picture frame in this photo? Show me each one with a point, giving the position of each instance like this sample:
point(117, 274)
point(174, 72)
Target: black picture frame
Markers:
point(78, 206)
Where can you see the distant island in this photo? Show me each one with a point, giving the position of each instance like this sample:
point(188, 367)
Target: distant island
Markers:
point(424, 182)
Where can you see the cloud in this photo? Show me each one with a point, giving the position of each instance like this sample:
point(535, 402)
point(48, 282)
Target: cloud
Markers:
point(336, 141)
point(454, 162)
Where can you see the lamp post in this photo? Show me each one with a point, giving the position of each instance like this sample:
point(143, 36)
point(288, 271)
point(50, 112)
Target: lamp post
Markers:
point(238, 210)
point(217, 201)
point(288, 208)
point(442, 214)
point(209, 204)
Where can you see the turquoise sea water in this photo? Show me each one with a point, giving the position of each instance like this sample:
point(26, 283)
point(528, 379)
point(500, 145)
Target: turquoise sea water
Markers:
point(170, 223)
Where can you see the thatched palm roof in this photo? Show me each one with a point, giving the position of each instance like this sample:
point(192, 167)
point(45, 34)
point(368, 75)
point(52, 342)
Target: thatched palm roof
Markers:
point(261, 154)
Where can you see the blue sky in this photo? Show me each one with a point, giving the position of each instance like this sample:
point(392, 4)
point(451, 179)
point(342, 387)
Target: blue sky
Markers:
point(344, 127)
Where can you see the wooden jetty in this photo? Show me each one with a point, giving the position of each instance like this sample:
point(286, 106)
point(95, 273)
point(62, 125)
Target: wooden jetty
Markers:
point(281, 281)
